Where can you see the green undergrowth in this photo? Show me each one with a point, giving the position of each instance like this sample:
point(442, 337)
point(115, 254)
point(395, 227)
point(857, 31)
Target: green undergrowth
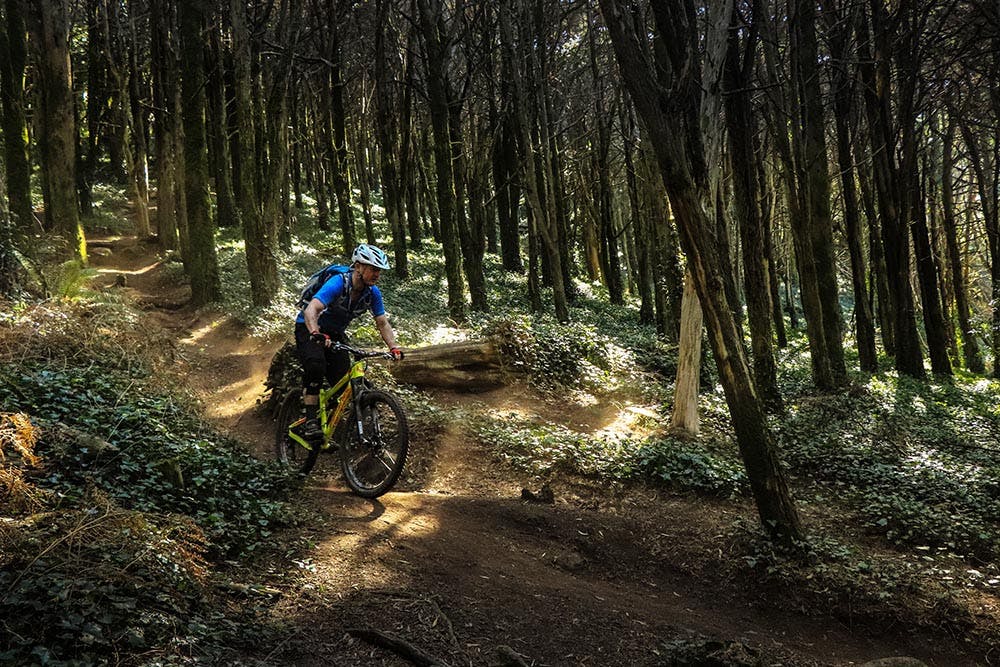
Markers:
point(116, 500)
point(830, 576)
point(919, 462)
point(146, 452)
point(706, 465)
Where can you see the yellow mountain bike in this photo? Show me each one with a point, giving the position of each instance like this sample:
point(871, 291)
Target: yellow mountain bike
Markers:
point(367, 426)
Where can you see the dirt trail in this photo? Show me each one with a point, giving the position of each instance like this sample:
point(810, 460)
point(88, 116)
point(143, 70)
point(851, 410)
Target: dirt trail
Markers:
point(458, 565)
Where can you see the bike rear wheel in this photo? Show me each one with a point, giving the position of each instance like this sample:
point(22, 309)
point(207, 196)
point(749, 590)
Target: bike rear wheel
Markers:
point(373, 459)
point(287, 451)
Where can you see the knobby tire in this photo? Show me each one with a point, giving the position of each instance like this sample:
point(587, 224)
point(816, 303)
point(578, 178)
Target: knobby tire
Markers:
point(372, 467)
point(287, 451)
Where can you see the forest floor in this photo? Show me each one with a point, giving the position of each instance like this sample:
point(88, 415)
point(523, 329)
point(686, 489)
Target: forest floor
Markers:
point(455, 563)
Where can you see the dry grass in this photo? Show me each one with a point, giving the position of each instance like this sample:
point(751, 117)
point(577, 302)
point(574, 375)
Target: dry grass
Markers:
point(17, 452)
point(101, 329)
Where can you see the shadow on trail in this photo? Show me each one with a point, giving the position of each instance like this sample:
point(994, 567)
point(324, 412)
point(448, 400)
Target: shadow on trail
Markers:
point(346, 502)
point(460, 577)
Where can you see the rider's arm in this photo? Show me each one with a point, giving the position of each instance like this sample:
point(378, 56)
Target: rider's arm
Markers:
point(385, 330)
point(311, 315)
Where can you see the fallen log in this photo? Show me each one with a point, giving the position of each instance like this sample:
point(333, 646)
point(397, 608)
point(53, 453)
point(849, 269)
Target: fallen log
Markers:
point(472, 366)
point(468, 365)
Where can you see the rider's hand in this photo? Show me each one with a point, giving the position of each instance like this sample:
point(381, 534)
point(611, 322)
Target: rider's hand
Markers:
point(396, 353)
point(320, 338)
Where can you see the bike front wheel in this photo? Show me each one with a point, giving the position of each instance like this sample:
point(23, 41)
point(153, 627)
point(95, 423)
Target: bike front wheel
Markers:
point(373, 458)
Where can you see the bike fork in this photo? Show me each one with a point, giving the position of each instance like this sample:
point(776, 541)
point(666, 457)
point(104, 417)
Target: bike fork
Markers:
point(357, 387)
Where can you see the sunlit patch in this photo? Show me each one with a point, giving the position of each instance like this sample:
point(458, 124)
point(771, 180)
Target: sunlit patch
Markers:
point(197, 334)
point(445, 334)
point(229, 400)
point(631, 421)
point(133, 272)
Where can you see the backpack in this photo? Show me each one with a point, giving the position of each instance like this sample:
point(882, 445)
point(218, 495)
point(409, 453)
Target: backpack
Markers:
point(317, 280)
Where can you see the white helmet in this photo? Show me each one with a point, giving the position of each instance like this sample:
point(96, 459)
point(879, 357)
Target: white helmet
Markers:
point(369, 254)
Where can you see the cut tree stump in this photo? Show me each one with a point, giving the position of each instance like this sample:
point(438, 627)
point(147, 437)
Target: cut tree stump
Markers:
point(467, 365)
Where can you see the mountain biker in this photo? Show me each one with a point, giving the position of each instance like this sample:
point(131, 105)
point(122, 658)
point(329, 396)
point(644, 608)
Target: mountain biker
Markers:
point(324, 320)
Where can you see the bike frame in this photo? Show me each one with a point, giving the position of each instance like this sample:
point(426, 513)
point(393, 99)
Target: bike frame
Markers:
point(352, 383)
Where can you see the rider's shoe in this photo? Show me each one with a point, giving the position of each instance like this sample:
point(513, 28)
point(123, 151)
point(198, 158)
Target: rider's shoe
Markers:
point(310, 431)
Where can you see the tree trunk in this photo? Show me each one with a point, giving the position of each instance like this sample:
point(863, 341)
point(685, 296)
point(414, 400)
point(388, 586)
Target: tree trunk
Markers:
point(970, 345)
point(641, 224)
point(387, 135)
point(986, 187)
point(907, 46)
point(408, 168)
point(882, 295)
point(338, 119)
point(164, 66)
point(274, 188)
point(685, 411)
point(260, 240)
point(508, 195)
point(814, 244)
point(741, 126)
point(51, 29)
point(840, 32)
point(540, 200)
point(467, 366)
point(137, 119)
point(203, 263)
point(469, 238)
point(13, 57)
point(435, 52)
point(668, 277)
point(9, 279)
point(669, 113)
point(875, 74)
point(228, 213)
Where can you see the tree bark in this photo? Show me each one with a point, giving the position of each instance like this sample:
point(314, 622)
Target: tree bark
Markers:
point(814, 227)
point(13, 57)
point(338, 123)
point(839, 29)
point(260, 241)
point(875, 75)
point(435, 52)
point(741, 125)
point(970, 345)
point(467, 365)
point(471, 240)
point(203, 263)
point(508, 195)
point(51, 31)
point(387, 135)
point(228, 212)
point(539, 199)
point(684, 415)
point(164, 66)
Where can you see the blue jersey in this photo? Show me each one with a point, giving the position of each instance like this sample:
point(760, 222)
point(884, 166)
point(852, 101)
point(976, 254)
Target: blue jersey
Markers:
point(340, 308)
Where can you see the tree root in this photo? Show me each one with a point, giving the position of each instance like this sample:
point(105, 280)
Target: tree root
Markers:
point(509, 657)
point(400, 647)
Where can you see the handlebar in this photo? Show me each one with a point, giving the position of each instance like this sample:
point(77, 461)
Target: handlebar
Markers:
point(359, 353)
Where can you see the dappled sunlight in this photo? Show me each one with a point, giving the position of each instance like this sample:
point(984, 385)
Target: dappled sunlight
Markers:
point(229, 400)
point(629, 422)
point(940, 463)
point(129, 272)
point(200, 333)
point(445, 334)
point(370, 548)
